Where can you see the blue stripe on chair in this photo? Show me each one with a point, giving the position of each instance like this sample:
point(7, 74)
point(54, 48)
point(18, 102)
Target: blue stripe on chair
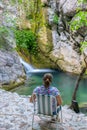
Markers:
point(38, 104)
point(51, 109)
point(41, 104)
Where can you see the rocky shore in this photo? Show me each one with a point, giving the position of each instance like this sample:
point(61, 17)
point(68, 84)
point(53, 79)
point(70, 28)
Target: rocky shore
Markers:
point(16, 114)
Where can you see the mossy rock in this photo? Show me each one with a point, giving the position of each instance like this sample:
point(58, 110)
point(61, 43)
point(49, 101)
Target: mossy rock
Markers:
point(45, 40)
point(13, 84)
point(42, 61)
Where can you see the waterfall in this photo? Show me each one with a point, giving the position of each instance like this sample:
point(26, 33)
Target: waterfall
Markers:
point(30, 69)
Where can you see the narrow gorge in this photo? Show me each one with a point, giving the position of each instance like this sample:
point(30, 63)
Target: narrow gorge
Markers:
point(38, 36)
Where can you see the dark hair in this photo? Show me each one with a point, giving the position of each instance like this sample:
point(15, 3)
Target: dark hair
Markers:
point(47, 78)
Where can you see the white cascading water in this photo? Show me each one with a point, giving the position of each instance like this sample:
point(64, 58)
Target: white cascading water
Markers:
point(30, 69)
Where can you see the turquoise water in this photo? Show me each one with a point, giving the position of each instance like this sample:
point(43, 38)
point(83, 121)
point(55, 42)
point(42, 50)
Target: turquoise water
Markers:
point(63, 81)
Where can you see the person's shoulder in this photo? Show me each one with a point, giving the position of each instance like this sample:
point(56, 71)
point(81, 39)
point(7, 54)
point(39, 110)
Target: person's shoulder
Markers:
point(55, 91)
point(54, 88)
point(39, 87)
point(36, 88)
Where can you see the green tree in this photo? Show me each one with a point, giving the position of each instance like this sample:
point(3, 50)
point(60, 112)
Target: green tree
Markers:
point(80, 20)
point(55, 19)
point(26, 39)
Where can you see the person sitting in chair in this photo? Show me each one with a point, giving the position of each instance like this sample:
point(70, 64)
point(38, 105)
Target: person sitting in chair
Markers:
point(47, 89)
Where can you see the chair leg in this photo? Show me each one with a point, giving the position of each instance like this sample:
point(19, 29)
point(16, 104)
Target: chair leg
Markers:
point(32, 121)
point(58, 118)
point(57, 126)
point(61, 115)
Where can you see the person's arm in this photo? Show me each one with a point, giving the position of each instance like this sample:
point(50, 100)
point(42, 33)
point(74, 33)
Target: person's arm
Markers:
point(59, 100)
point(33, 97)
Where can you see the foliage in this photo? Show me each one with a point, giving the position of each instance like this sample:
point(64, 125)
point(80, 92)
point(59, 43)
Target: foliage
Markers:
point(19, 1)
point(28, 6)
point(83, 45)
point(26, 39)
point(86, 72)
point(3, 30)
point(44, 5)
point(80, 20)
point(9, 23)
point(82, 1)
point(55, 19)
point(30, 9)
point(38, 16)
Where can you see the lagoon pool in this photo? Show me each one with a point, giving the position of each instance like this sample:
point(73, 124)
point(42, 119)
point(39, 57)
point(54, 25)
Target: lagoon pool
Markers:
point(63, 81)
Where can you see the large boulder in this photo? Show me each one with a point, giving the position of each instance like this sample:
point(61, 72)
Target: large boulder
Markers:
point(66, 58)
point(11, 70)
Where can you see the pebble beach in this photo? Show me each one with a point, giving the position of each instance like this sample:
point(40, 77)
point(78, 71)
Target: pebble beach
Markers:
point(16, 114)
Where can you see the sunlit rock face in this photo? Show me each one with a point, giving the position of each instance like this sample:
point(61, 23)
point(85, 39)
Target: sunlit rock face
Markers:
point(66, 44)
point(67, 59)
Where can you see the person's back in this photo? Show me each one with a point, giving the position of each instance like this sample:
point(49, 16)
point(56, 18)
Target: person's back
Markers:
point(47, 89)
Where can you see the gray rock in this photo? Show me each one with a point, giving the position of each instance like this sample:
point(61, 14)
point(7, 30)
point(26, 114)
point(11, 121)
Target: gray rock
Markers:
point(11, 70)
point(66, 58)
point(68, 7)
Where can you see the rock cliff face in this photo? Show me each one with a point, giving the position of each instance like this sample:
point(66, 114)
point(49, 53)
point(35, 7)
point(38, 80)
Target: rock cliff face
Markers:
point(11, 70)
point(66, 45)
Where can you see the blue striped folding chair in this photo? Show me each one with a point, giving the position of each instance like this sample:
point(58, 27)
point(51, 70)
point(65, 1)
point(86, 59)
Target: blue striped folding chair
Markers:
point(47, 106)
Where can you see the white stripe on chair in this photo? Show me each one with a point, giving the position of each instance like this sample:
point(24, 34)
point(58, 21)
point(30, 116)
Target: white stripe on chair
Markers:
point(45, 104)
